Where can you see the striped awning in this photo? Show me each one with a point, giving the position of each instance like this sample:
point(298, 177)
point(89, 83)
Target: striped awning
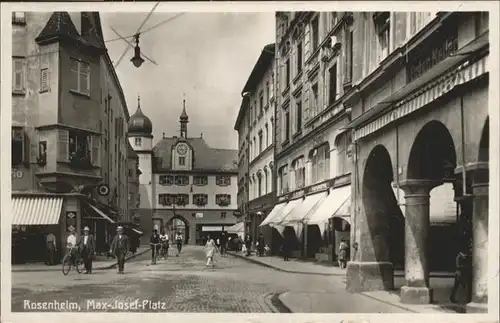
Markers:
point(101, 213)
point(238, 227)
point(36, 210)
point(428, 93)
point(138, 232)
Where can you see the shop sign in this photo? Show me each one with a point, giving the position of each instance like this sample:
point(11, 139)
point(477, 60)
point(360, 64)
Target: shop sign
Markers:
point(199, 215)
point(320, 187)
point(436, 54)
point(70, 220)
point(17, 174)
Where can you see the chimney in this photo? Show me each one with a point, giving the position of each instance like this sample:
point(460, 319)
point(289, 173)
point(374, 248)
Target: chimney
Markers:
point(201, 135)
point(163, 135)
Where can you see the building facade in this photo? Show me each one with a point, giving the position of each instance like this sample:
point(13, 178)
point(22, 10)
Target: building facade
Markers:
point(58, 61)
point(312, 151)
point(260, 98)
point(419, 103)
point(186, 184)
point(242, 127)
point(134, 198)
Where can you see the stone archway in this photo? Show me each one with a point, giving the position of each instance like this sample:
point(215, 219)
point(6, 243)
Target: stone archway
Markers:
point(380, 207)
point(178, 224)
point(432, 161)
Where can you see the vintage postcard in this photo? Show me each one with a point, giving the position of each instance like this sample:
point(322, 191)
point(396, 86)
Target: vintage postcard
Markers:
point(250, 161)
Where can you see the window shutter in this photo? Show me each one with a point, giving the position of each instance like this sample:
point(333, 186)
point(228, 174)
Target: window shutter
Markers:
point(96, 147)
point(44, 79)
point(33, 149)
point(63, 145)
point(18, 78)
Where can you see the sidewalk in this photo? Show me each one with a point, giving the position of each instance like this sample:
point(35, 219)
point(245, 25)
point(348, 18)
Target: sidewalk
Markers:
point(441, 283)
point(100, 263)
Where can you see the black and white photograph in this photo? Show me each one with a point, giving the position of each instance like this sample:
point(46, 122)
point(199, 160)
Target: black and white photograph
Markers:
point(244, 159)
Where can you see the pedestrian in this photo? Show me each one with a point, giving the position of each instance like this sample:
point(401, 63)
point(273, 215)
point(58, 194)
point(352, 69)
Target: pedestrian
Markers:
point(87, 247)
point(164, 244)
point(223, 243)
point(261, 244)
point(463, 275)
point(178, 241)
point(286, 246)
point(210, 250)
point(343, 249)
point(71, 245)
point(248, 245)
point(155, 243)
point(119, 248)
point(51, 246)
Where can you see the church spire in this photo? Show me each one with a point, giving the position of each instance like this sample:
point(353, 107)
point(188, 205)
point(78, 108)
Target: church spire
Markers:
point(184, 119)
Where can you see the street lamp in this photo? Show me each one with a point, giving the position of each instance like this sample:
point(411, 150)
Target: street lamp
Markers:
point(137, 60)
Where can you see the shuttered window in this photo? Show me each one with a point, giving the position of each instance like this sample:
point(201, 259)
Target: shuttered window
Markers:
point(63, 145)
point(18, 77)
point(80, 77)
point(44, 79)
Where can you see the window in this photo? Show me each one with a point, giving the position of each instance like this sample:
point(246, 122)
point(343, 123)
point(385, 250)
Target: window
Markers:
point(283, 180)
point(298, 107)
point(223, 215)
point(166, 199)
point(223, 199)
point(315, 33)
point(348, 57)
point(382, 26)
point(314, 99)
point(259, 185)
point(130, 196)
point(200, 180)
point(287, 126)
point(130, 173)
point(80, 77)
point(299, 58)
point(78, 147)
point(166, 180)
point(200, 199)
point(332, 86)
point(299, 168)
point(181, 180)
point(44, 79)
point(19, 18)
point(223, 180)
point(287, 73)
point(334, 19)
point(18, 76)
point(261, 98)
point(268, 92)
point(320, 163)
point(182, 199)
point(182, 161)
point(260, 141)
point(17, 146)
point(267, 135)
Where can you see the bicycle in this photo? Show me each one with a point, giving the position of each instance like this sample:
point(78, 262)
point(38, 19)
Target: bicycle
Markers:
point(154, 247)
point(164, 250)
point(70, 260)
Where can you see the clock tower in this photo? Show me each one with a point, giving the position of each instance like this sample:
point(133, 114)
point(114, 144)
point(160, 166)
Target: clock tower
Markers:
point(182, 154)
point(184, 120)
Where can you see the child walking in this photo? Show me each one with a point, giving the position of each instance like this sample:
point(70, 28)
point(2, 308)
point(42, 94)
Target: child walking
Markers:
point(210, 250)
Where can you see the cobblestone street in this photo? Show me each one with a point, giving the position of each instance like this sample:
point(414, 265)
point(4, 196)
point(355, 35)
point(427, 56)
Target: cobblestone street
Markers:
point(183, 284)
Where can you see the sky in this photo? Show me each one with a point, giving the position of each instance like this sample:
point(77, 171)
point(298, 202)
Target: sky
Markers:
point(205, 58)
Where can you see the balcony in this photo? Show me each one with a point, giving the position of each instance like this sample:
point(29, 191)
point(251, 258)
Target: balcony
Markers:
point(80, 160)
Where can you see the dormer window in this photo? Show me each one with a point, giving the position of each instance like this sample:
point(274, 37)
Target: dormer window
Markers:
point(138, 141)
point(223, 180)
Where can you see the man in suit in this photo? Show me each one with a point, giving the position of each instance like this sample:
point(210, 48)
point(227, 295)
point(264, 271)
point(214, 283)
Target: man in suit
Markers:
point(119, 248)
point(87, 247)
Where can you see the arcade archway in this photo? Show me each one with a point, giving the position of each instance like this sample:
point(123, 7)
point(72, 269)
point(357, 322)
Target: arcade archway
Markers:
point(177, 224)
point(383, 216)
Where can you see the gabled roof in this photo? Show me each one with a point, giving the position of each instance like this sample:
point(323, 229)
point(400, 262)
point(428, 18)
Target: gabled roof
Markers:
point(260, 68)
point(205, 158)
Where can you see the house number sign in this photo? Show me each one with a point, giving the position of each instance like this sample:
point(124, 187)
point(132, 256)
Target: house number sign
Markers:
point(17, 174)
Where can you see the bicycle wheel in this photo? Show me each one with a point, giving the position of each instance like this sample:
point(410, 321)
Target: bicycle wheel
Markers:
point(79, 265)
point(66, 265)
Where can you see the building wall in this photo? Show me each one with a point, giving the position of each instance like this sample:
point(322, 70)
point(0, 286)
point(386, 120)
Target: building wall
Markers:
point(211, 189)
point(113, 127)
point(133, 186)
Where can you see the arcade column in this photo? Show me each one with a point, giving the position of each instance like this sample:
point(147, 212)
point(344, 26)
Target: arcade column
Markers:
point(417, 222)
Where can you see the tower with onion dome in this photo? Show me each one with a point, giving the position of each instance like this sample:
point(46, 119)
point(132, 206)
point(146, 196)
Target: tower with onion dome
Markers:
point(140, 129)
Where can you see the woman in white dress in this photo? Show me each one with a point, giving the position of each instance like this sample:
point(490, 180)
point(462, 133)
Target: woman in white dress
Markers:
point(210, 250)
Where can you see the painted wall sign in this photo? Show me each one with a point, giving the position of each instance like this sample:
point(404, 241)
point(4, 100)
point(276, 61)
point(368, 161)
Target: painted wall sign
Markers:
point(17, 174)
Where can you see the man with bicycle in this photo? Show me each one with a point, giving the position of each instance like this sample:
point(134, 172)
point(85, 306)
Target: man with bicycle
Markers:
point(71, 246)
point(155, 243)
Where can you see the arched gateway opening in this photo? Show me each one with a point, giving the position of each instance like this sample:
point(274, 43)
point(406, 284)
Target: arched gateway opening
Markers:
point(383, 216)
point(177, 224)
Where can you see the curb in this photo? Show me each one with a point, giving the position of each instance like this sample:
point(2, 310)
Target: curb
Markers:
point(126, 259)
point(249, 259)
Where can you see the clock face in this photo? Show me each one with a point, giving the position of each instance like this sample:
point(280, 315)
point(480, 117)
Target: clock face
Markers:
point(182, 149)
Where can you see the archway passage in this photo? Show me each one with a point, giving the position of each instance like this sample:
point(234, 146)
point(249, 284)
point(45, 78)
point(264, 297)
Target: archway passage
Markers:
point(383, 216)
point(177, 224)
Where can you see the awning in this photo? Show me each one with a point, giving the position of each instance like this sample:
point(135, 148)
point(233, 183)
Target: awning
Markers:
point(300, 212)
point(330, 206)
point(344, 212)
point(237, 228)
point(101, 213)
point(289, 207)
point(210, 228)
point(36, 210)
point(442, 208)
point(276, 211)
point(137, 231)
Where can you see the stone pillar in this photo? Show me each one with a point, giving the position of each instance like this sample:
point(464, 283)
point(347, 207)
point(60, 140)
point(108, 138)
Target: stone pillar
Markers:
point(417, 218)
point(480, 241)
